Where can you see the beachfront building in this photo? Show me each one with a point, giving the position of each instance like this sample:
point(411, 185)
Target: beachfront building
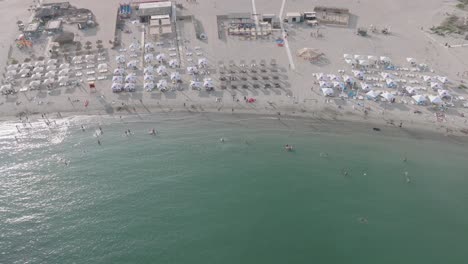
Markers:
point(145, 11)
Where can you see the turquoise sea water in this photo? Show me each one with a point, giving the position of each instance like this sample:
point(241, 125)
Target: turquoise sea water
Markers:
point(184, 197)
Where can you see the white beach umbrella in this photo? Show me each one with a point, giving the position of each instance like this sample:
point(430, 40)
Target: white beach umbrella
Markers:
point(51, 68)
point(338, 84)
point(202, 62)
point(119, 71)
point(34, 84)
point(373, 94)
point(195, 85)
point(436, 86)
point(410, 90)
point(442, 79)
point(148, 86)
point(348, 79)
point(426, 78)
point(161, 70)
point(411, 60)
point(13, 67)
point(64, 66)
point(444, 93)
point(372, 58)
point(129, 87)
point(64, 72)
point(388, 96)
point(116, 87)
point(134, 46)
point(390, 83)
point(364, 62)
point(39, 64)
point(435, 100)
point(48, 81)
point(175, 76)
point(102, 66)
point(36, 76)
point(365, 87)
point(350, 61)
point(149, 46)
point(76, 58)
point(192, 70)
point(149, 57)
point(51, 62)
point(38, 69)
point(320, 77)
point(162, 85)
point(327, 91)
point(359, 57)
point(148, 77)
point(420, 99)
point(324, 84)
point(208, 83)
point(90, 58)
point(63, 79)
point(26, 65)
point(117, 79)
point(11, 73)
point(24, 71)
point(130, 79)
point(347, 56)
point(358, 74)
point(50, 74)
point(120, 59)
point(173, 63)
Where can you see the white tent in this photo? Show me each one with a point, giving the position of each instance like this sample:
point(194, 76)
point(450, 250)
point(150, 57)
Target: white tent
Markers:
point(148, 70)
point(129, 87)
point(373, 94)
point(52, 62)
point(34, 84)
point(175, 77)
point(202, 62)
point(130, 79)
point(327, 91)
point(117, 79)
point(39, 64)
point(119, 71)
point(120, 59)
point(24, 71)
point(102, 67)
point(442, 79)
point(385, 59)
point(50, 74)
point(64, 72)
point(12, 67)
point(436, 86)
point(48, 81)
point(435, 100)
point(388, 96)
point(444, 93)
point(420, 99)
point(162, 85)
point(195, 85)
point(347, 56)
point(192, 70)
point(36, 76)
point(208, 83)
point(132, 64)
point(161, 57)
point(148, 77)
point(161, 70)
point(149, 57)
point(64, 66)
point(173, 63)
point(116, 87)
point(134, 46)
point(51, 67)
point(365, 87)
point(148, 86)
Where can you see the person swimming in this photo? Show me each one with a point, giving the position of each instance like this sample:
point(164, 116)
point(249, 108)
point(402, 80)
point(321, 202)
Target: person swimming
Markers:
point(288, 147)
point(82, 128)
point(221, 140)
point(99, 142)
point(152, 132)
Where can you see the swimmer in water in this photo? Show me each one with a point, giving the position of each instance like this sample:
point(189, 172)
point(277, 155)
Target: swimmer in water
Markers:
point(408, 180)
point(363, 220)
point(344, 172)
point(99, 142)
point(323, 154)
point(222, 140)
point(82, 128)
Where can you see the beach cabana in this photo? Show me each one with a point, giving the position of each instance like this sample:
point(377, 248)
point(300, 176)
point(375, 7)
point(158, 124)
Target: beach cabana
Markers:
point(388, 96)
point(117, 87)
point(208, 84)
point(148, 77)
point(120, 59)
point(175, 77)
point(372, 95)
point(436, 86)
point(162, 85)
point(119, 71)
point(372, 59)
point(161, 57)
point(148, 70)
point(420, 99)
point(130, 78)
point(173, 63)
point(327, 91)
point(390, 83)
point(333, 77)
point(435, 100)
point(359, 57)
point(365, 87)
point(161, 70)
point(5, 88)
point(129, 87)
point(444, 94)
point(148, 86)
point(76, 59)
point(102, 67)
point(202, 62)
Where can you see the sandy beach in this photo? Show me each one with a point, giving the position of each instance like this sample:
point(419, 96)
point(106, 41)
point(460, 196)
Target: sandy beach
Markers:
point(299, 94)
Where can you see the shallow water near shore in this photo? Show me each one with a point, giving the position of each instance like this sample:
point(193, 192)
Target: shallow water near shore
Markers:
point(184, 196)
